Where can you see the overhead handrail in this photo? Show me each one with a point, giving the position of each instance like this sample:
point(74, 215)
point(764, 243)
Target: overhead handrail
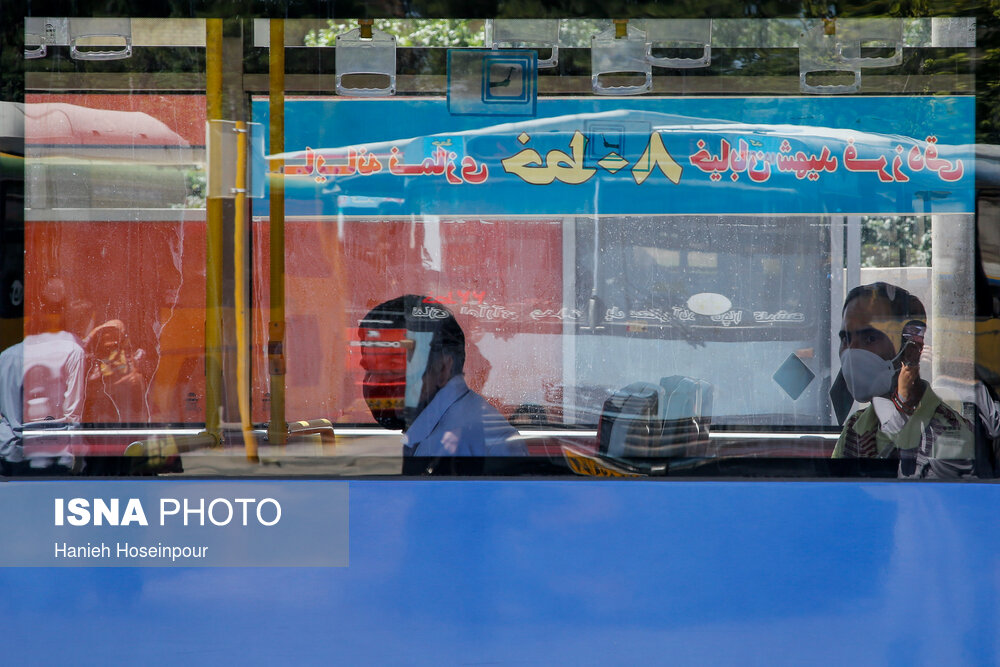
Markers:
point(821, 54)
point(102, 31)
point(369, 51)
point(526, 33)
point(690, 33)
point(854, 34)
point(620, 50)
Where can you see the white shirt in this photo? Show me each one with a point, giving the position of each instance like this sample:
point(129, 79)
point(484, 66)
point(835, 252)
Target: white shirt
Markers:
point(54, 380)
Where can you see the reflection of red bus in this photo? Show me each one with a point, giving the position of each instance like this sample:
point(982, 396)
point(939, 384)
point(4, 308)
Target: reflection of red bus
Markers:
point(114, 211)
point(113, 208)
point(107, 178)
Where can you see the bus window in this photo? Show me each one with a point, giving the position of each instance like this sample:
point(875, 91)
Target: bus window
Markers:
point(620, 273)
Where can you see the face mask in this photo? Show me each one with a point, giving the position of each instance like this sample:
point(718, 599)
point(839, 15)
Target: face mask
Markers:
point(867, 375)
point(416, 366)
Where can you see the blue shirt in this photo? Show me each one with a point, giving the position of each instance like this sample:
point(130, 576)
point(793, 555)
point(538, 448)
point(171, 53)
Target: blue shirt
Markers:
point(459, 422)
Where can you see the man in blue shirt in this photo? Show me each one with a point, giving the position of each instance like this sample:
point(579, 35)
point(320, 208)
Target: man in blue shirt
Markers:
point(413, 354)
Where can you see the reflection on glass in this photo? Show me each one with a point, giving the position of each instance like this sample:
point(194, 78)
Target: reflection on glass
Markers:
point(413, 355)
point(636, 285)
point(881, 342)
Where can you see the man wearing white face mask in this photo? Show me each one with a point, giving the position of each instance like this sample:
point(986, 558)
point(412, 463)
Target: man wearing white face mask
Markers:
point(413, 354)
point(881, 339)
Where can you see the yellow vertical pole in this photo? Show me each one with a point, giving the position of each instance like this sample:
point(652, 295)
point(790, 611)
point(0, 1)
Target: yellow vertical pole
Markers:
point(277, 429)
point(213, 251)
point(240, 235)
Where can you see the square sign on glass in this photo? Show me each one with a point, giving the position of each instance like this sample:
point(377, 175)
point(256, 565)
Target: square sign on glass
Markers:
point(492, 83)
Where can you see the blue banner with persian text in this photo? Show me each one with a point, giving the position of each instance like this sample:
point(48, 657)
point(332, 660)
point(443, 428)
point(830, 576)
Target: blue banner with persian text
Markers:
point(863, 155)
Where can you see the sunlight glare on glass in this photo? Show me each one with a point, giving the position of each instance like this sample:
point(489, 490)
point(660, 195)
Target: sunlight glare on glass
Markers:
point(709, 303)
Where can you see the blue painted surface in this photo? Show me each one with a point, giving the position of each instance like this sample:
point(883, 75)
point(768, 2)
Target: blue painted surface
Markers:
point(570, 571)
point(766, 130)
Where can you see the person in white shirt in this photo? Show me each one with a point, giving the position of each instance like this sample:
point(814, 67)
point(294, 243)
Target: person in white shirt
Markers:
point(43, 384)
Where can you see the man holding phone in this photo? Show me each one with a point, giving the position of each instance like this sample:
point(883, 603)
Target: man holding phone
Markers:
point(881, 341)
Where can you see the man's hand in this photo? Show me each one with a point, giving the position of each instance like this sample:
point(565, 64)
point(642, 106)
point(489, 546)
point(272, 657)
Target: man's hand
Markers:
point(908, 383)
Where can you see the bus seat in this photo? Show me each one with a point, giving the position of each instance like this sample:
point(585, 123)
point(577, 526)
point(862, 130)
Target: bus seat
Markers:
point(645, 420)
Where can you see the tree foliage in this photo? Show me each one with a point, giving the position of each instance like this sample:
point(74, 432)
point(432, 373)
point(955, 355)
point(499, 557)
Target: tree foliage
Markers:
point(895, 241)
point(410, 32)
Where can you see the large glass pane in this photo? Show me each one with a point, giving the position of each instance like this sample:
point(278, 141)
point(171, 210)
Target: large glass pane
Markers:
point(480, 245)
